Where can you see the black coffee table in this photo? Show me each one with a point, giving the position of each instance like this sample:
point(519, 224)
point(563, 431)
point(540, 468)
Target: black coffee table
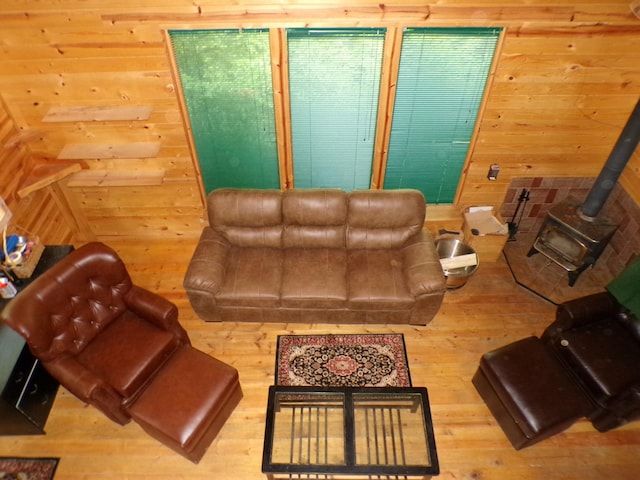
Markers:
point(341, 432)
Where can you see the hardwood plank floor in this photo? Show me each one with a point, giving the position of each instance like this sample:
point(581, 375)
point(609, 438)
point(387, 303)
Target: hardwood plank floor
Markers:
point(489, 311)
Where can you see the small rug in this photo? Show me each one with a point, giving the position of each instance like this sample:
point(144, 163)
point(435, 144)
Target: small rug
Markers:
point(27, 468)
point(369, 360)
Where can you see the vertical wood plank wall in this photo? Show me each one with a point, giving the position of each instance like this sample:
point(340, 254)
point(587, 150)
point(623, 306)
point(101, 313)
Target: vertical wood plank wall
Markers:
point(567, 77)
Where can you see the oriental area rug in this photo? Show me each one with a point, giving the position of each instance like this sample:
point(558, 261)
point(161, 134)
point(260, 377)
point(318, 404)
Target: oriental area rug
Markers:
point(368, 360)
point(27, 468)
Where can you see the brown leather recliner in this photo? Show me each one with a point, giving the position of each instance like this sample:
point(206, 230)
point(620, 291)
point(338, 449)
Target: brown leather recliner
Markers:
point(121, 349)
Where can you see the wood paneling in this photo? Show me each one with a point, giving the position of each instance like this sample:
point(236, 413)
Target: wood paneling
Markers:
point(556, 106)
point(565, 81)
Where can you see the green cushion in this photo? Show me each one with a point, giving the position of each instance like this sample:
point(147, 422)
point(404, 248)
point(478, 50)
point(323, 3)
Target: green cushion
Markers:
point(626, 287)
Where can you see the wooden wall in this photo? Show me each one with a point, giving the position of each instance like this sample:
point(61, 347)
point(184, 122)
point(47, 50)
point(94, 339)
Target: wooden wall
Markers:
point(92, 81)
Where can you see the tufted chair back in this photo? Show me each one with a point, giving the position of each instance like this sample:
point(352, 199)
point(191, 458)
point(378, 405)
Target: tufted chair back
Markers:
point(74, 303)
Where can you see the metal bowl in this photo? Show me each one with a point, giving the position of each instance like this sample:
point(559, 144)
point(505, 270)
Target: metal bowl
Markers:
point(450, 248)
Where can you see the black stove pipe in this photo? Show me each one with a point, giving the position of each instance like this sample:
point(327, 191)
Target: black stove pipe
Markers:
point(618, 159)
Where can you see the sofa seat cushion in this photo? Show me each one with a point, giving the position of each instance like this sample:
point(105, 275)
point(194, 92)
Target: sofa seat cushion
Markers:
point(603, 366)
point(376, 280)
point(314, 278)
point(252, 278)
point(128, 352)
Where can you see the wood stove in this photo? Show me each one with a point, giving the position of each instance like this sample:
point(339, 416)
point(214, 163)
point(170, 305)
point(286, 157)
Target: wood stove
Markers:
point(571, 241)
point(573, 234)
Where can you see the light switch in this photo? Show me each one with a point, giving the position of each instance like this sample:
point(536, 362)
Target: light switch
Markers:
point(494, 169)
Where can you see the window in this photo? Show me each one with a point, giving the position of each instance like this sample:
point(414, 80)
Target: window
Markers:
point(334, 81)
point(226, 82)
point(330, 83)
point(441, 80)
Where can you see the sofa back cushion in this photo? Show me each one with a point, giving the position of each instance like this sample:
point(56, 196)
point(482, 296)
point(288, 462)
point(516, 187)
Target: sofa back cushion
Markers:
point(382, 219)
point(247, 217)
point(314, 218)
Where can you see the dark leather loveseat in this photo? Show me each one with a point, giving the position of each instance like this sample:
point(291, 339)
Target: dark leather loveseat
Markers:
point(316, 255)
point(586, 364)
point(597, 340)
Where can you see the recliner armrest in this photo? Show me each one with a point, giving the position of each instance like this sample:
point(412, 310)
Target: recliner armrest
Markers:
point(88, 387)
point(582, 311)
point(623, 409)
point(207, 266)
point(421, 265)
point(156, 309)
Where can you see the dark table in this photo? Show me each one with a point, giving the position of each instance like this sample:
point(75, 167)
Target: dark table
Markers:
point(27, 391)
point(349, 431)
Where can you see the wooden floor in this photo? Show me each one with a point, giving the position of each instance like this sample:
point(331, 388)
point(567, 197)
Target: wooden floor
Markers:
point(489, 311)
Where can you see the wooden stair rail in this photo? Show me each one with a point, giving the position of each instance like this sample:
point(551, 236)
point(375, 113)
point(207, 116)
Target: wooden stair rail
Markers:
point(51, 175)
point(44, 172)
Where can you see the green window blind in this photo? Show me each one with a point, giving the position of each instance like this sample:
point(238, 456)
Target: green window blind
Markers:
point(441, 80)
point(334, 78)
point(226, 81)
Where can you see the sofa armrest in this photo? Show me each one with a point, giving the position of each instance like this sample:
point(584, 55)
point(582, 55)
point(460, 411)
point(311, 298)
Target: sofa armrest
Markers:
point(421, 265)
point(157, 310)
point(582, 311)
point(205, 274)
point(88, 387)
point(207, 266)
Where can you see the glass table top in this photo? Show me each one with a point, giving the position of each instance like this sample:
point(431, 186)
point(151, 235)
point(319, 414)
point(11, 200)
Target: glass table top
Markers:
point(338, 432)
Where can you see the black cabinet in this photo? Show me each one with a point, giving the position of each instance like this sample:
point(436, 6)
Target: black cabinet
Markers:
point(27, 390)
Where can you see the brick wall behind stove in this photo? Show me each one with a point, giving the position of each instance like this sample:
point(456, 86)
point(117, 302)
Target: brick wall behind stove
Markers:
point(546, 192)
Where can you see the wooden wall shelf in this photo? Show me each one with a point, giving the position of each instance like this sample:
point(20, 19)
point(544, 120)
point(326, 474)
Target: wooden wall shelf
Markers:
point(97, 114)
point(115, 178)
point(82, 151)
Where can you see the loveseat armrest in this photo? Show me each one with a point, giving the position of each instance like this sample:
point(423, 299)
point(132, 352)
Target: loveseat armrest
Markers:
point(207, 266)
point(205, 274)
point(157, 310)
point(621, 410)
point(88, 387)
point(582, 311)
point(421, 266)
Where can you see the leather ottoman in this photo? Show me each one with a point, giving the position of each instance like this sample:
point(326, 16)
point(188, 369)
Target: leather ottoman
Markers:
point(528, 392)
point(188, 402)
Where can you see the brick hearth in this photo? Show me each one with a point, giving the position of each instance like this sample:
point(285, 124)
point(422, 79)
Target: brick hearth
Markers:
point(537, 273)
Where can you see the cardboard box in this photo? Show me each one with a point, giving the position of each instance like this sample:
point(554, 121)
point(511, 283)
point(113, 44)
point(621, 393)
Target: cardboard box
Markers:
point(485, 231)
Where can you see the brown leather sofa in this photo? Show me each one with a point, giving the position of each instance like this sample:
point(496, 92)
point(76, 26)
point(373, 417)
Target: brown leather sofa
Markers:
point(316, 255)
point(121, 349)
